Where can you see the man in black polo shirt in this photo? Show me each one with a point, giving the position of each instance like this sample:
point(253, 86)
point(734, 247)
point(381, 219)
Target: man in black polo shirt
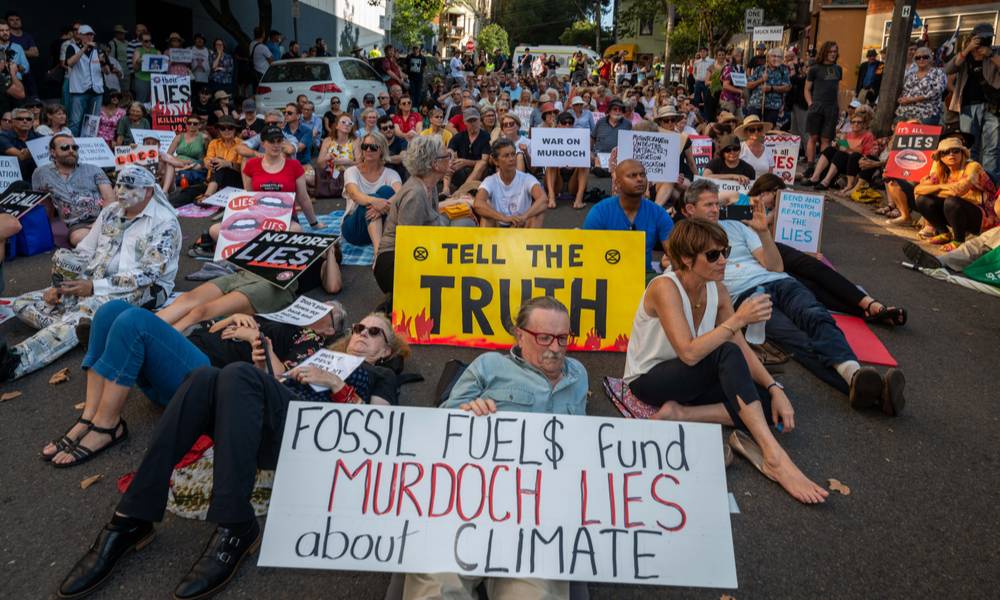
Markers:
point(471, 148)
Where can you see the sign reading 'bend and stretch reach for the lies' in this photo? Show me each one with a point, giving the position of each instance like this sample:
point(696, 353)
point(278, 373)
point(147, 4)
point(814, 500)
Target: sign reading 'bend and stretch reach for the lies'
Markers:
point(462, 286)
point(505, 495)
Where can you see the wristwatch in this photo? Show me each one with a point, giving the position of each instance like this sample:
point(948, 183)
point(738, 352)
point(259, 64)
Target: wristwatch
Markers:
point(777, 385)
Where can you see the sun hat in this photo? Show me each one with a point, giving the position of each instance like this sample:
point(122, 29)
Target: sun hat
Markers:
point(547, 108)
point(725, 116)
point(667, 112)
point(950, 143)
point(751, 121)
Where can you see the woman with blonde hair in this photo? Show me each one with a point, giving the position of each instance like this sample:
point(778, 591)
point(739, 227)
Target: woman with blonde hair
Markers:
point(368, 185)
point(367, 122)
point(437, 127)
point(337, 153)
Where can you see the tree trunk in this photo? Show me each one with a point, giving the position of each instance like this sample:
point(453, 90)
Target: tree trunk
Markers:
point(666, 43)
point(597, 28)
point(895, 66)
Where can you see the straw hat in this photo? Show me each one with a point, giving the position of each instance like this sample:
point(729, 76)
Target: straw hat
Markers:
point(751, 121)
point(950, 143)
point(175, 36)
point(725, 116)
point(667, 112)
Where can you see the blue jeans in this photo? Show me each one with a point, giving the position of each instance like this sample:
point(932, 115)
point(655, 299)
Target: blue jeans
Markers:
point(86, 103)
point(354, 227)
point(985, 128)
point(131, 345)
point(801, 325)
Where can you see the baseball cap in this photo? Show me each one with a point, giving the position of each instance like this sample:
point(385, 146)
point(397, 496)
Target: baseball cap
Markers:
point(369, 98)
point(728, 141)
point(272, 134)
point(577, 100)
point(983, 30)
point(226, 121)
point(872, 52)
point(616, 103)
point(470, 114)
point(761, 45)
point(249, 105)
point(120, 29)
point(85, 29)
point(566, 117)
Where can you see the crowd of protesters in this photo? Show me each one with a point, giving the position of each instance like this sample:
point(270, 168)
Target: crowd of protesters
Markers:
point(453, 149)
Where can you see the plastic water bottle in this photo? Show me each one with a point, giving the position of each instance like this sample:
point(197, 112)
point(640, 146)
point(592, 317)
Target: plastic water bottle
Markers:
point(755, 331)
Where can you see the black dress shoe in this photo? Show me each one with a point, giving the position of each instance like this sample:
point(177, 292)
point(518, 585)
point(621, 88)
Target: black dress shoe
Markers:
point(218, 563)
point(99, 562)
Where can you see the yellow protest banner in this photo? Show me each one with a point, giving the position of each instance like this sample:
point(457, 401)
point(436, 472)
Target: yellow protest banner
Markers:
point(461, 286)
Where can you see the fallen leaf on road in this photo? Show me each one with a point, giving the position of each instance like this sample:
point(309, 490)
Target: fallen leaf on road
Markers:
point(86, 483)
point(836, 486)
point(9, 396)
point(79, 406)
point(60, 376)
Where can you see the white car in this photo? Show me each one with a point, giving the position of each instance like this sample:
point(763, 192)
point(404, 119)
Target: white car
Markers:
point(320, 79)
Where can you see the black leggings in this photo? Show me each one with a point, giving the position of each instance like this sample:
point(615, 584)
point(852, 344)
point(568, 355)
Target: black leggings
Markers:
point(962, 216)
point(385, 268)
point(718, 378)
point(847, 163)
point(225, 177)
point(835, 291)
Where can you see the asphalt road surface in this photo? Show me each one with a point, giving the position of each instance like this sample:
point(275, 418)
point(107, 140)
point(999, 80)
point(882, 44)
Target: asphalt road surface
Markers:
point(920, 521)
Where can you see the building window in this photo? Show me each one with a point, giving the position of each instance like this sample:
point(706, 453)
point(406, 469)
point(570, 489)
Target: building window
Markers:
point(646, 26)
point(941, 27)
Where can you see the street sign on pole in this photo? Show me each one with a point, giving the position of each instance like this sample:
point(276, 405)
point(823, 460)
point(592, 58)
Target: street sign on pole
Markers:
point(752, 18)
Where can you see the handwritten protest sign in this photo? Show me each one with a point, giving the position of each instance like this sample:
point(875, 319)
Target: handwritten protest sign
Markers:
point(171, 96)
point(155, 63)
point(93, 151)
point(304, 311)
point(911, 150)
point(338, 363)
point(164, 138)
point(144, 156)
point(524, 114)
point(560, 147)
point(701, 150)
point(658, 152)
point(280, 257)
point(799, 220)
point(768, 33)
point(730, 192)
point(784, 149)
point(17, 204)
point(247, 215)
point(181, 55)
point(91, 123)
point(222, 197)
point(739, 79)
point(507, 495)
point(461, 285)
point(10, 171)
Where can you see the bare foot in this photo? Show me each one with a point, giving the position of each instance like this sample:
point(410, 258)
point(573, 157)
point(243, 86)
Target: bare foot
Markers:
point(74, 434)
point(670, 411)
point(783, 471)
point(552, 203)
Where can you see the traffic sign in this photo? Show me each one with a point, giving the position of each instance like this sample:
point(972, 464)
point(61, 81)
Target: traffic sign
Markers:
point(752, 18)
point(470, 45)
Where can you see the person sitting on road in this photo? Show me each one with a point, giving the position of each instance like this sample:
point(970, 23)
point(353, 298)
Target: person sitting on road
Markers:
point(183, 159)
point(573, 179)
point(727, 163)
point(753, 151)
point(367, 189)
point(799, 324)
point(956, 194)
point(509, 197)
point(471, 149)
point(961, 257)
point(687, 356)
point(243, 407)
point(222, 158)
point(130, 254)
point(537, 366)
point(129, 345)
point(830, 287)
point(845, 156)
point(510, 128)
point(630, 210)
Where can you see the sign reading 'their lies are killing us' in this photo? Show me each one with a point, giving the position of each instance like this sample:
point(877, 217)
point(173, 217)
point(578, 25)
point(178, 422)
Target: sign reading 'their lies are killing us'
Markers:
point(511, 494)
point(462, 286)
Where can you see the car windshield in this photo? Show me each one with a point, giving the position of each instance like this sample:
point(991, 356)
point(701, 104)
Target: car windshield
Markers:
point(290, 72)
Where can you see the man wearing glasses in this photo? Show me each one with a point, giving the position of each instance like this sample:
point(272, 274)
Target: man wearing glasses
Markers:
point(396, 146)
point(535, 376)
point(302, 134)
point(79, 191)
point(14, 142)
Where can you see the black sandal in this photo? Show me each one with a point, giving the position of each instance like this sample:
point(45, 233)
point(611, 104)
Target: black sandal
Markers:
point(894, 316)
point(66, 443)
point(82, 454)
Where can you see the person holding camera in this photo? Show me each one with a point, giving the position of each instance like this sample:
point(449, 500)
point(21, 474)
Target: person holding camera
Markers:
point(86, 78)
point(11, 88)
point(977, 96)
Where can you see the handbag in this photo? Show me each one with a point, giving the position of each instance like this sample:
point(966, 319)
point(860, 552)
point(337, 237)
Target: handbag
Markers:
point(36, 233)
point(330, 183)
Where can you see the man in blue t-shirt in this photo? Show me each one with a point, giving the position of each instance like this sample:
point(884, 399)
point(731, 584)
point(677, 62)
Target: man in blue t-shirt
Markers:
point(629, 211)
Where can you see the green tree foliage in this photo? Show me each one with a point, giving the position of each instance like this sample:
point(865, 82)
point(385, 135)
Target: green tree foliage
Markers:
point(412, 19)
point(581, 33)
point(534, 21)
point(492, 38)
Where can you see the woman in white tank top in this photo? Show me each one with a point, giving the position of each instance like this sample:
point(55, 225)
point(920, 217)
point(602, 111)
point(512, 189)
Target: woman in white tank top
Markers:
point(687, 356)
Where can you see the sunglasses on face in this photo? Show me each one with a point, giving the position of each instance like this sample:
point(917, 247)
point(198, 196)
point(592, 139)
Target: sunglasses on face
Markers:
point(193, 123)
point(67, 147)
point(370, 147)
point(713, 255)
point(922, 57)
point(952, 151)
point(509, 124)
point(754, 129)
point(226, 128)
point(345, 123)
point(728, 150)
point(386, 128)
point(369, 102)
point(369, 331)
point(290, 113)
point(24, 118)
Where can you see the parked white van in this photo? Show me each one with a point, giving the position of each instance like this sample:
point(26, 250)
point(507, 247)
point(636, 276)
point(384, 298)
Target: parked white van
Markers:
point(562, 54)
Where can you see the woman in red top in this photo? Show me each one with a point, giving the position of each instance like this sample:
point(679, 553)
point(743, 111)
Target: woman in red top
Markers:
point(407, 121)
point(845, 155)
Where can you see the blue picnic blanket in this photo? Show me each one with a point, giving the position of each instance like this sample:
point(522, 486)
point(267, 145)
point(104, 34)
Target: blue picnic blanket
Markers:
point(330, 225)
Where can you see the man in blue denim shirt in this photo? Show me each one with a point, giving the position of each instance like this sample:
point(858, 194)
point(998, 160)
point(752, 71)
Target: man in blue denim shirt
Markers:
point(535, 377)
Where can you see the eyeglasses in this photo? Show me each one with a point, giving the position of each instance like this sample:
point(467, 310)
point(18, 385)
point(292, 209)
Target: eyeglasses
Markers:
point(754, 129)
point(858, 122)
point(508, 124)
point(335, 101)
point(951, 151)
point(194, 122)
point(24, 118)
point(730, 149)
point(546, 339)
point(226, 128)
point(386, 128)
point(369, 330)
point(922, 57)
point(290, 113)
point(370, 147)
point(65, 147)
point(713, 255)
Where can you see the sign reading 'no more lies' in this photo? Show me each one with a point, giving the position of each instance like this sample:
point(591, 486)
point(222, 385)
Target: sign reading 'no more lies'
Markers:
point(506, 495)
point(462, 286)
point(280, 257)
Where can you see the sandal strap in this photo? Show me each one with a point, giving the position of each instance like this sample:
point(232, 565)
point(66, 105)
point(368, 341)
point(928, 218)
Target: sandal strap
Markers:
point(111, 432)
point(79, 452)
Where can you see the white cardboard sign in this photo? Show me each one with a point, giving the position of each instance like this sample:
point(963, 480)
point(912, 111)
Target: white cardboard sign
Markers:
point(799, 222)
point(144, 156)
point(165, 138)
point(221, 197)
point(10, 171)
point(738, 78)
point(93, 151)
point(338, 363)
point(730, 192)
point(658, 152)
point(784, 149)
point(545, 496)
point(304, 311)
point(155, 63)
point(181, 55)
point(560, 147)
point(170, 90)
point(768, 33)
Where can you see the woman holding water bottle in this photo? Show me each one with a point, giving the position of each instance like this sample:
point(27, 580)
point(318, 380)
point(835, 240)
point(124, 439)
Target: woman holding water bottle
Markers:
point(687, 356)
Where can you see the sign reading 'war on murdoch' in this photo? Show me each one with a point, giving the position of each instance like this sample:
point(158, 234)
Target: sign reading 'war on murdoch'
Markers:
point(462, 286)
point(560, 147)
point(504, 495)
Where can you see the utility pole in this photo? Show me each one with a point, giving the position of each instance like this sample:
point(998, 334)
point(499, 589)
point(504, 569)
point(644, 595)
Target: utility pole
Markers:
point(666, 43)
point(895, 65)
point(597, 28)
